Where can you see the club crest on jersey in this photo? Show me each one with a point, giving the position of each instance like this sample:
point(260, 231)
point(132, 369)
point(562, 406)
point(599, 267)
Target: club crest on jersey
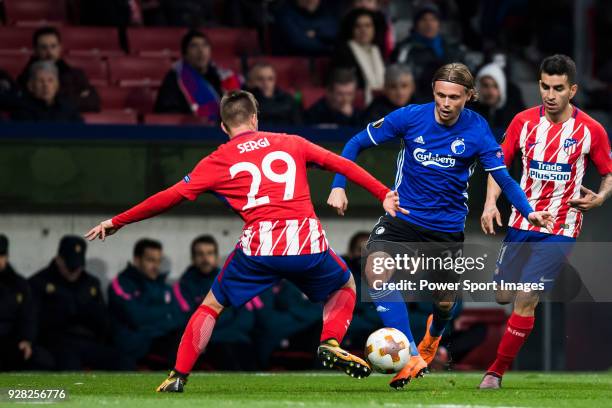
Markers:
point(430, 159)
point(458, 147)
point(569, 146)
point(253, 145)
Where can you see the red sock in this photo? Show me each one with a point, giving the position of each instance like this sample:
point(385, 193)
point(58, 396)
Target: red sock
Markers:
point(516, 333)
point(337, 314)
point(195, 338)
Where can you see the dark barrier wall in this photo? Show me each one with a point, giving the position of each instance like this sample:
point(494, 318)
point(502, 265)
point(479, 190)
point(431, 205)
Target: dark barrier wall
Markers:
point(87, 168)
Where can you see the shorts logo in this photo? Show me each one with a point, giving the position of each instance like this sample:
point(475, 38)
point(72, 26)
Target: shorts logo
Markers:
point(379, 230)
point(430, 159)
point(569, 146)
point(378, 123)
point(458, 146)
point(187, 179)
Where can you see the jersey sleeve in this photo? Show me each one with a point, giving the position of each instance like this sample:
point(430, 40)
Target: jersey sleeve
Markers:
point(391, 126)
point(510, 144)
point(600, 152)
point(331, 161)
point(201, 179)
point(490, 154)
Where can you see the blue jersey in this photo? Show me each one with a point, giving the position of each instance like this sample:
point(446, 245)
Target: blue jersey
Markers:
point(435, 163)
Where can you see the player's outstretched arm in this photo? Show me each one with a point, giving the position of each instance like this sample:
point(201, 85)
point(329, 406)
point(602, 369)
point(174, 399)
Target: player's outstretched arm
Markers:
point(337, 197)
point(490, 212)
point(332, 162)
point(518, 199)
point(156, 204)
point(590, 199)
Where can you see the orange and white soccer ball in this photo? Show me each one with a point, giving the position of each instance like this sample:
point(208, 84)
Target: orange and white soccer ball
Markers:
point(387, 350)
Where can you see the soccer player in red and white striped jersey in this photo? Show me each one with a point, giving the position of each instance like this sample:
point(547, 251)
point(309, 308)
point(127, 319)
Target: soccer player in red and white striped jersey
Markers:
point(556, 140)
point(262, 177)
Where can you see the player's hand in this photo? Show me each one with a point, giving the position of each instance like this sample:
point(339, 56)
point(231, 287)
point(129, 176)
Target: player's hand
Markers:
point(542, 219)
point(337, 199)
point(26, 347)
point(102, 230)
point(489, 214)
point(391, 204)
point(588, 200)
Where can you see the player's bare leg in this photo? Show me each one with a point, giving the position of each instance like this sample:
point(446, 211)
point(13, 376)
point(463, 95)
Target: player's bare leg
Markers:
point(518, 328)
point(337, 315)
point(194, 341)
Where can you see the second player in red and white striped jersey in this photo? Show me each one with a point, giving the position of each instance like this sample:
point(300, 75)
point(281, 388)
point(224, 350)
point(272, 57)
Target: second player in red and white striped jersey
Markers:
point(262, 176)
point(555, 158)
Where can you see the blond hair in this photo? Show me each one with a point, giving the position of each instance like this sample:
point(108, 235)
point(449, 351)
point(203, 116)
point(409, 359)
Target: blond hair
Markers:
point(459, 74)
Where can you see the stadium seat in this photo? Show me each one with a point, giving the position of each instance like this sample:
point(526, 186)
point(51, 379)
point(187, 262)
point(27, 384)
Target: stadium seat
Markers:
point(95, 68)
point(155, 42)
point(137, 99)
point(291, 72)
point(311, 95)
point(129, 71)
point(495, 321)
point(91, 41)
point(226, 42)
point(111, 117)
point(25, 12)
point(233, 41)
point(15, 40)
point(322, 66)
point(13, 64)
point(172, 119)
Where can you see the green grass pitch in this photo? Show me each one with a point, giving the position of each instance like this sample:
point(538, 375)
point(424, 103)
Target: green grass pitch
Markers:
point(452, 390)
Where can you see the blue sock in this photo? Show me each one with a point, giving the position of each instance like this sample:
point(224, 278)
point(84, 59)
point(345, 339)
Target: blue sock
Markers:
point(440, 320)
point(392, 309)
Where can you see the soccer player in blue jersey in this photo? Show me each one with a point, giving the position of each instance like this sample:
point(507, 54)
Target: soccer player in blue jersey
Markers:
point(441, 142)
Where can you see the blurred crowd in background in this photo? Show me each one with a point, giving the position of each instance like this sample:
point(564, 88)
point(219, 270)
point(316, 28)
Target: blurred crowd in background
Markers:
point(309, 62)
point(60, 318)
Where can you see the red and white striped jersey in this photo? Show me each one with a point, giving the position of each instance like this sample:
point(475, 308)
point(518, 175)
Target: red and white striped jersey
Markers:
point(555, 157)
point(262, 176)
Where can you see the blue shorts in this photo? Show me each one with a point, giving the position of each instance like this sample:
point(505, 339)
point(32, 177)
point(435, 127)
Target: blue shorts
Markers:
point(532, 257)
point(244, 277)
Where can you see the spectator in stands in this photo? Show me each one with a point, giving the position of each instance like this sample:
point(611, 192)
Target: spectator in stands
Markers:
point(230, 345)
point(399, 88)
point(17, 323)
point(337, 107)
point(358, 50)
point(42, 102)
point(365, 317)
point(276, 107)
point(73, 322)
point(425, 50)
point(74, 84)
point(498, 99)
point(146, 316)
point(195, 84)
point(384, 27)
point(305, 27)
